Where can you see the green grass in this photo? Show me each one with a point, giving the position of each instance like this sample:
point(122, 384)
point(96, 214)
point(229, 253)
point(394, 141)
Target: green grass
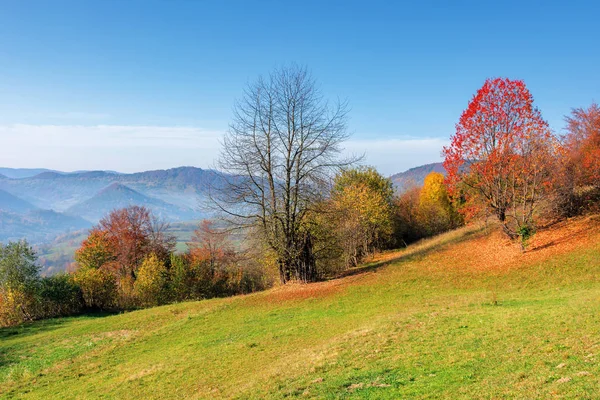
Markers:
point(422, 326)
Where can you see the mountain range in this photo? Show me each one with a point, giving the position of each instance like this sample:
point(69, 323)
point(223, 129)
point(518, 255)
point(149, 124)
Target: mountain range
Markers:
point(40, 204)
point(61, 202)
point(20, 173)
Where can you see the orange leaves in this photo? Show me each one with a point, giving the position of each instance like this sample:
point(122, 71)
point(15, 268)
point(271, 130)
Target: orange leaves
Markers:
point(582, 143)
point(123, 239)
point(95, 251)
point(210, 245)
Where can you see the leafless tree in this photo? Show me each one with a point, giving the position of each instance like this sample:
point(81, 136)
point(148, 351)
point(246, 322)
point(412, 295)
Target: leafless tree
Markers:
point(278, 158)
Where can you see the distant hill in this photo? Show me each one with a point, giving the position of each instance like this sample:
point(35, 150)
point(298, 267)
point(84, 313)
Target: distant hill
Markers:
point(183, 187)
point(13, 204)
point(52, 203)
point(20, 173)
point(415, 176)
point(117, 196)
point(38, 225)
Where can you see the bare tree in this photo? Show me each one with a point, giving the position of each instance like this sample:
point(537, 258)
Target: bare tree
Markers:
point(279, 156)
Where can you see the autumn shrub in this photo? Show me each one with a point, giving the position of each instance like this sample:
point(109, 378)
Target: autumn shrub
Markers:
point(151, 285)
point(98, 288)
point(436, 213)
point(577, 184)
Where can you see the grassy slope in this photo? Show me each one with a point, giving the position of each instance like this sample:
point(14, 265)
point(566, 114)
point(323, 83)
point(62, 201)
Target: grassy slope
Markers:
point(419, 323)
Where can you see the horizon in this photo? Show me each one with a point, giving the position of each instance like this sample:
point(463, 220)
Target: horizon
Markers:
point(153, 86)
point(159, 169)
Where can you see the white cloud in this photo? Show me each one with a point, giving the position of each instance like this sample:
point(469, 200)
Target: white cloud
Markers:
point(129, 148)
point(124, 148)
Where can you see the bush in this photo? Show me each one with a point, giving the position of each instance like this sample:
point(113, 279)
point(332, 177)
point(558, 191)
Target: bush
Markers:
point(151, 286)
point(60, 295)
point(98, 288)
point(15, 307)
point(19, 283)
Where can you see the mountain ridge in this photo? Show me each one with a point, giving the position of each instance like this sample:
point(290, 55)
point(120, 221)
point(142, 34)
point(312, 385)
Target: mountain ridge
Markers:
point(116, 196)
point(12, 203)
point(415, 176)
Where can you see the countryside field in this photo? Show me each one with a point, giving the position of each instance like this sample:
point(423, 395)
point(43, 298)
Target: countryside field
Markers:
point(462, 315)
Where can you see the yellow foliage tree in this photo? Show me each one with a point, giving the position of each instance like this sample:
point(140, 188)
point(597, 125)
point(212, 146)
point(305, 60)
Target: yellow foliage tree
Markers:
point(98, 286)
point(436, 210)
point(363, 202)
point(151, 284)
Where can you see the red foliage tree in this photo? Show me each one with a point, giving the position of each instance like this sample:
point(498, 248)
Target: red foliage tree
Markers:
point(501, 153)
point(582, 143)
point(210, 245)
point(96, 250)
point(122, 240)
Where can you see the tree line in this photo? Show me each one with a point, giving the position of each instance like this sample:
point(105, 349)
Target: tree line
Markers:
point(129, 261)
point(290, 207)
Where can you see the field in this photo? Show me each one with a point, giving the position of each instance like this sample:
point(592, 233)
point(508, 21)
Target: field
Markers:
point(463, 315)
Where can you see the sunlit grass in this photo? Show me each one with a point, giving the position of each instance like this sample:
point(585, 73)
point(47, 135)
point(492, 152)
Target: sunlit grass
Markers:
point(418, 323)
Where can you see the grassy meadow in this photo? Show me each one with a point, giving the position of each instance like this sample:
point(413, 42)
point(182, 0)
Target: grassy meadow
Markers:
point(463, 315)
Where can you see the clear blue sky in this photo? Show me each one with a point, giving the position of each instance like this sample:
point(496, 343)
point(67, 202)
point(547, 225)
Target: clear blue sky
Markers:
point(133, 85)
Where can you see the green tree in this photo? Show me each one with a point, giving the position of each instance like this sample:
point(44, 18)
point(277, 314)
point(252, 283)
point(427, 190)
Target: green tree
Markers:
point(19, 283)
point(18, 268)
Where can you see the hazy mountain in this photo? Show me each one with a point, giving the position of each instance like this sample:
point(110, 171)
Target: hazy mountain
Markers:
point(51, 203)
point(415, 176)
point(183, 187)
point(117, 196)
point(13, 204)
point(20, 173)
point(38, 225)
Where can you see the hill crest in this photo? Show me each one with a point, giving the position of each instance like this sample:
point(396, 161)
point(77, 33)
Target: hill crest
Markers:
point(415, 176)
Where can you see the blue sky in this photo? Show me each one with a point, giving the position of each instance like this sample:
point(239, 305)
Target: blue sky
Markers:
point(133, 85)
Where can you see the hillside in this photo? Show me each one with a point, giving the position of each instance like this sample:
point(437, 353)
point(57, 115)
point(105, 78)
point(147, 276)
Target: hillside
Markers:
point(38, 225)
point(13, 204)
point(415, 176)
point(461, 316)
point(117, 196)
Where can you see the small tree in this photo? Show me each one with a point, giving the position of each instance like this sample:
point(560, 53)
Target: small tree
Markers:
point(577, 187)
point(130, 235)
point(436, 209)
point(407, 221)
point(362, 202)
point(19, 283)
point(502, 151)
point(96, 250)
point(152, 283)
point(582, 142)
point(98, 287)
